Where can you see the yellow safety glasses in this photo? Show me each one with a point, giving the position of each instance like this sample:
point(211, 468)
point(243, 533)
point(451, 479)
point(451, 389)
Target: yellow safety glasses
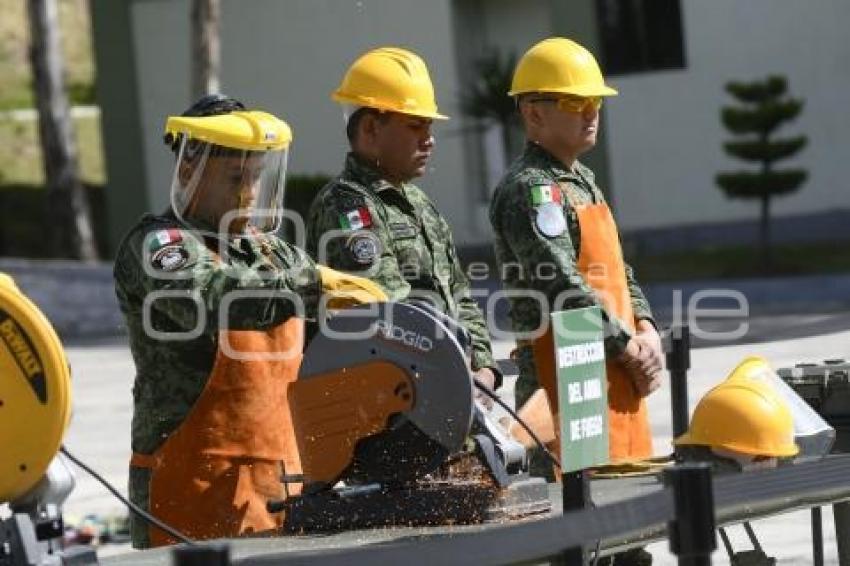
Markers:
point(572, 103)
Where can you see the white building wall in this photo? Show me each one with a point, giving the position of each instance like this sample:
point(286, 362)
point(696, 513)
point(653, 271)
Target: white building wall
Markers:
point(516, 26)
point(665, 131)
point(287, 57)
point(484, 25)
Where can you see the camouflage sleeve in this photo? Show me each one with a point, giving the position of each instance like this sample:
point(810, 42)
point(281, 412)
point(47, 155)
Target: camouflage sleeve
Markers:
point(550, 263)
point(302, 276)
point(639, 303)
point(471, 317)
point(346, 232)
point(187, 286)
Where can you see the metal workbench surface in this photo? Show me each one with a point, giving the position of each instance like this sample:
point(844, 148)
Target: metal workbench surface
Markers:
point(738, 497)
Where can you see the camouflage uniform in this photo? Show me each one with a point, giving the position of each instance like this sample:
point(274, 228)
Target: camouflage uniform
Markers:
point(396, 237)
point(521, 248)
point(159, 254)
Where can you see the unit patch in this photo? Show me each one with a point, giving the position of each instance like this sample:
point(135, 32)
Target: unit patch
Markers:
point(364, 248)
point(170, 258)
point(550, 219)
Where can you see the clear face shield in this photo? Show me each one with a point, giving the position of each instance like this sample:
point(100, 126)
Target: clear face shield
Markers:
point(812, 433)
point(227, 190)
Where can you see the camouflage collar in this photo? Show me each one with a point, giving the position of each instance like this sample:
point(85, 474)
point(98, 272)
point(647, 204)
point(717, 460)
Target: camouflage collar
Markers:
point(538, 157)
point(361, 172)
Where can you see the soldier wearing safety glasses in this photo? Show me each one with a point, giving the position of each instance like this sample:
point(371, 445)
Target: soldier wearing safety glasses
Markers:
point(556, 238)
point(548, 210)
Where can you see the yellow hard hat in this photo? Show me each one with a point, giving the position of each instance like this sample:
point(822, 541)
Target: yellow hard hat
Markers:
point(744, 415)
point(248, 130)
point(559, 65)
point(752, 367)
point(390, 78)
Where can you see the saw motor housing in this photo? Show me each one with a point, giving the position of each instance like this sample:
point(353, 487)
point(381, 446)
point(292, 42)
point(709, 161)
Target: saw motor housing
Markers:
point(35, 408)
point(384, 404)
point(35, 392)
point(385, 395)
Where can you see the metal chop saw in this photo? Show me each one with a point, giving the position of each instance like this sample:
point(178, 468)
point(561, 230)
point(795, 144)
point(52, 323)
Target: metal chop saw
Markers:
point(383, 411)
point(35, 407)
point(389, 433)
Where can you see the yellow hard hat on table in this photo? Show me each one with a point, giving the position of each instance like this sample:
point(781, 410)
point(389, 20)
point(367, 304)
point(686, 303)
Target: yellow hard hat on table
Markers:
point(392, 79)
point(745, 415)
point(559, 65)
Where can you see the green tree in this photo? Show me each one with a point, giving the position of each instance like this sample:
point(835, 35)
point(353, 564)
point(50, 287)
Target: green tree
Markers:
point(764, 108)
point(486, 97)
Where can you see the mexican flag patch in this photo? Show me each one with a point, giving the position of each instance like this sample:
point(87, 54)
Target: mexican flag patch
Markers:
point(541, 194)
point(163, 238)
point(356, 219)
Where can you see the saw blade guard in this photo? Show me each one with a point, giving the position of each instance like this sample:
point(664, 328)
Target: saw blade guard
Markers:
point(419, 346)
point(35, 392)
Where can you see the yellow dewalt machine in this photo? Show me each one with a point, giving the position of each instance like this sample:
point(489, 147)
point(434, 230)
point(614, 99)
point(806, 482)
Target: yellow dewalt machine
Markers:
point(389, 432)
point(35, 407)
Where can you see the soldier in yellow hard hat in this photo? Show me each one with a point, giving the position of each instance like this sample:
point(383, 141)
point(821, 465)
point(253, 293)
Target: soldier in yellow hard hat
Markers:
point(214, 303)
point(548, 211)
point(557, 247)
point(372, 220)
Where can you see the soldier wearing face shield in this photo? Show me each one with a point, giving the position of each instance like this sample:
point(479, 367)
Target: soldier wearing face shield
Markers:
point(215, 305)
point(548, 211)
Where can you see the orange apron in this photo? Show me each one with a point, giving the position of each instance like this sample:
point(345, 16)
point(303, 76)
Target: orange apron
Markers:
point(600, 261)
point(213, 476)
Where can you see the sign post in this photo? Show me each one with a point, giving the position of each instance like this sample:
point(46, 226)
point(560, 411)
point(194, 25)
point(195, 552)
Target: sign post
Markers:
point(579, 349)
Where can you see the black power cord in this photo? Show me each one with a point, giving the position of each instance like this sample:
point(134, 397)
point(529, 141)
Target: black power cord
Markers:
point(130, 505)
point(492, 395)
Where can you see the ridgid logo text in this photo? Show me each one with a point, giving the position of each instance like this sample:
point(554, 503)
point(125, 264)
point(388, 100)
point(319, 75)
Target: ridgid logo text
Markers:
point(406, 337)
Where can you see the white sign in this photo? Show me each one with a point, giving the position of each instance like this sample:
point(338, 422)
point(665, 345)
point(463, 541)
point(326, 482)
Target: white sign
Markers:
point(580, 354)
